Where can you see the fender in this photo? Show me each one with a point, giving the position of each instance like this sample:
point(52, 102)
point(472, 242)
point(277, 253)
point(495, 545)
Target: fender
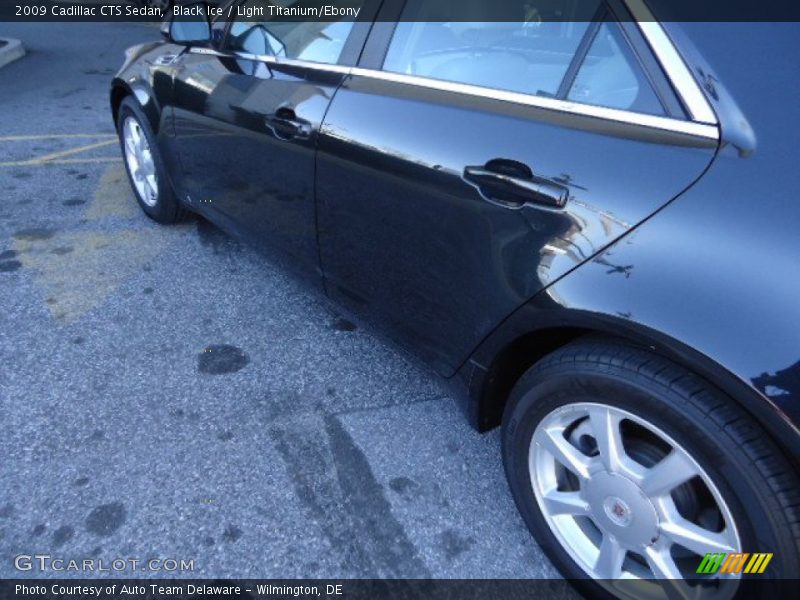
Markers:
point(709, 282)
point(143, 95)
point(148, 80)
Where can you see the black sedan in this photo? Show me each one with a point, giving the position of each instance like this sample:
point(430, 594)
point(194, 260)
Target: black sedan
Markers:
point(584, 219)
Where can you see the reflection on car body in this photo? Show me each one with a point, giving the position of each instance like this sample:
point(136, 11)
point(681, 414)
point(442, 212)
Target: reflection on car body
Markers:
point(558, 215)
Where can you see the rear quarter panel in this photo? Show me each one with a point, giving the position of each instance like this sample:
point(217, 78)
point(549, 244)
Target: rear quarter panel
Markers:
point(713, 278)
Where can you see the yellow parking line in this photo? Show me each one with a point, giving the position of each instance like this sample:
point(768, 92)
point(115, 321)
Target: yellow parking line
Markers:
point(66, 161)
point(71, 151)
point(56, 136)
point(112, 196)
point(76, 161)
point(50, 158)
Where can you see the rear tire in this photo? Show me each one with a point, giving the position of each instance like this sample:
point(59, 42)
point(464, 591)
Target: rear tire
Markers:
point(146, 170)
point(613, 412)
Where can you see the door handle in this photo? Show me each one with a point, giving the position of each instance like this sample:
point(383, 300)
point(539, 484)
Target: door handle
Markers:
point(286, 125)
point(512, 184)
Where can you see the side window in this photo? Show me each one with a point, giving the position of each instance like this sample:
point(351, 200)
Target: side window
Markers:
point(611, 76)
point(532, 56)
point(317, 41)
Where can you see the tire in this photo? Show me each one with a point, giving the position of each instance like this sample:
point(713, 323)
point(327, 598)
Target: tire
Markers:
point(743, 491)
point(151, 185)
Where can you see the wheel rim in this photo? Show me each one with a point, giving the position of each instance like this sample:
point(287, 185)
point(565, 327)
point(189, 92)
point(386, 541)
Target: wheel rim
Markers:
point(626, 501)
point(140, 161)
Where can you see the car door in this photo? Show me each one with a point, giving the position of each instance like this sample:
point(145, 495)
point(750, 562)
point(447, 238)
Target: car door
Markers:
point(467, 164)
point(246, 119)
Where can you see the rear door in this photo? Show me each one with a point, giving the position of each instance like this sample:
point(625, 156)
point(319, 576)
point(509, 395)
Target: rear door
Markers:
point(466, 165)
point(247, 116)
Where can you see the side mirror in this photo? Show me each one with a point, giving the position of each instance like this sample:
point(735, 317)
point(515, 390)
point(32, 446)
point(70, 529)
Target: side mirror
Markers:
point(189, 26)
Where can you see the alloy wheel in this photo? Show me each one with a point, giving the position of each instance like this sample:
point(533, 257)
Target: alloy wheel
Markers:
point(626, 501)
point(140, 161)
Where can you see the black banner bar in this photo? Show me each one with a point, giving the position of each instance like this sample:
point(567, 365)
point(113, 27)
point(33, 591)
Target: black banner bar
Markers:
point(66, 11)
point(349, 589)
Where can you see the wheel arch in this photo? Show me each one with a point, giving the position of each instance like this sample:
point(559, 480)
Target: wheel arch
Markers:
point(492, 372)
point(120, 90)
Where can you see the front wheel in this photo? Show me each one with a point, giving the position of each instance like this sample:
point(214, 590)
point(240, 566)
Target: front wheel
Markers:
point(628, 468)
point(143, 162)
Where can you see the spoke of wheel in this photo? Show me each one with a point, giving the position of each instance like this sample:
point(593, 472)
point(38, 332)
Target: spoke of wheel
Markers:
point(151, 188)
point(566, 503)
point(664, 568)
point(129, 144)
point(605, 426)
point(673, 470)
point(609, 561)
point(568, 455)
point(133, 135)
point(697, 539)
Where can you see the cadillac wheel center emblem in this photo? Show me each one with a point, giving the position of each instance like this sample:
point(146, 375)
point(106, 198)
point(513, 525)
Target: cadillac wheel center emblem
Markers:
point(619, 512)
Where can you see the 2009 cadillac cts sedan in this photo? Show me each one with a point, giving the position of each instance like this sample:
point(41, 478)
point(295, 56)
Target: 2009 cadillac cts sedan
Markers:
point(588, 222)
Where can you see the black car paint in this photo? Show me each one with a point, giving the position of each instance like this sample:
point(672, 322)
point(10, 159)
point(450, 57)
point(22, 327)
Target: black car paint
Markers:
point(712, 280)
point(390, 187)
point(709, 280)
point(238, 120)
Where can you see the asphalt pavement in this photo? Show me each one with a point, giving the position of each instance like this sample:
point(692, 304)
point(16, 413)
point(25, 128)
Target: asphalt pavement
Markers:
point(167, 392)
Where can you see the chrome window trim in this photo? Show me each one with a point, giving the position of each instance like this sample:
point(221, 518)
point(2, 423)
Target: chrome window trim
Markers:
point(207, 51)
point(274, 60)
point(703, 123)
point(673, 64)
point(308, 64)
point(702, 130)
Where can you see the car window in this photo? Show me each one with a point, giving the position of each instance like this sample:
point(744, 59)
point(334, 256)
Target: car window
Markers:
point(611, 76)
point(318, 41)
point(531, 56)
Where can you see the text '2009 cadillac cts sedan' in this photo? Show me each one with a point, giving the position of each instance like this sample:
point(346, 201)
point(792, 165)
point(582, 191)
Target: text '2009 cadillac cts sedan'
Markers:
point(589, 226)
